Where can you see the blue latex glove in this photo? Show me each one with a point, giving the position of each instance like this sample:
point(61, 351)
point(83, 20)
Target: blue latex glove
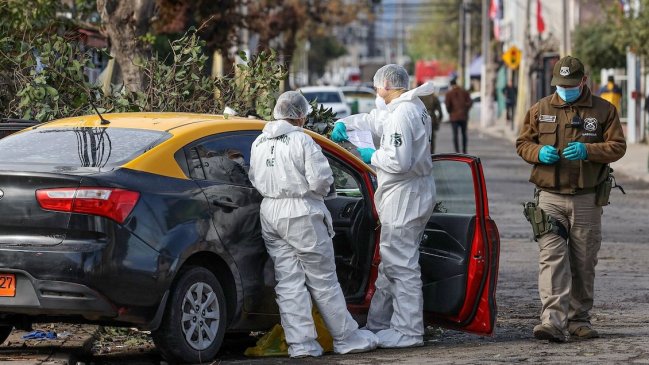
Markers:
point(548, 155)
point(339, 133)
point(366, 154)
point(575, 151)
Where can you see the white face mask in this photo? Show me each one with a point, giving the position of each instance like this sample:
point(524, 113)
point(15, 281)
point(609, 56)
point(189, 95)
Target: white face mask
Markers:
point(380, 103)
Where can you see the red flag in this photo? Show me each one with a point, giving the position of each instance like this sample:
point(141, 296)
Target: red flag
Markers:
point(540, 24)
point(493, 9)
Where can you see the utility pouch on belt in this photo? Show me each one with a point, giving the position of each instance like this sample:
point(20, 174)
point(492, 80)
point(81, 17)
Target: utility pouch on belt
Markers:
point(603, 191)
point(541, 222)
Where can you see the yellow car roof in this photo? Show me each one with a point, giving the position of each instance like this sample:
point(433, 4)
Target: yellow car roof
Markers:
point(184, 127)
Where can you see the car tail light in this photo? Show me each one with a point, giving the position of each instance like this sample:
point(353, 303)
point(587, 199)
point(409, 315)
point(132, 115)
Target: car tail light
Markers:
point(115, 204)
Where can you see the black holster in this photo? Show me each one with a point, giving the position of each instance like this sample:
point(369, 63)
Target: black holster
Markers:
point(541, 222)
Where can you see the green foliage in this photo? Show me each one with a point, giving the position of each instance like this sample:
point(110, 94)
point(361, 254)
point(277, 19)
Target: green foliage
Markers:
point(256, 82)
point(21, 16)
point(595, 44)
point(438, 38)
point(323, 49)
point(320, 120)
point(630, 30)
point(49, 78)
point(60, 88)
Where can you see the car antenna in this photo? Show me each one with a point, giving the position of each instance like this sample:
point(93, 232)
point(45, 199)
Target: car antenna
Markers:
point(103, 120)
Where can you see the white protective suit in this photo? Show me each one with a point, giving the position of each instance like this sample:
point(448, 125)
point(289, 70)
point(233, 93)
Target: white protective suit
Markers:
point(405, 199)
point(290, 171)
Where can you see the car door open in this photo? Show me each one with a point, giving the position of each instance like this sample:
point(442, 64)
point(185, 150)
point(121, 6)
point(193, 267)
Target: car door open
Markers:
point(460, 249)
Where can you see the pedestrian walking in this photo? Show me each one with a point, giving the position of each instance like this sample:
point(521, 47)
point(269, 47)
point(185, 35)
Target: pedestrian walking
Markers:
point(458, 102)
point(292, 174)
point(404, 199)
point(510, 92)
point(611, 93)
point(569, 137)
point(434, 108)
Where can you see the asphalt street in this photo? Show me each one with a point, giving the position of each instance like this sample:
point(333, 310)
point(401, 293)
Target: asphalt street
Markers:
point(621, 313)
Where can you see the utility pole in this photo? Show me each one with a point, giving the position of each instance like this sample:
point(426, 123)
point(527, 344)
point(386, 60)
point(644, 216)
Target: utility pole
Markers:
point(461, 56)
point(565, 39)
point(467, 47)
point(486, 85)
point(523, 100)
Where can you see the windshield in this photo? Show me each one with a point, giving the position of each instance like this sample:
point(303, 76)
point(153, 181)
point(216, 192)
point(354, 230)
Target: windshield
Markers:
point(323, 96)
point(78, 146)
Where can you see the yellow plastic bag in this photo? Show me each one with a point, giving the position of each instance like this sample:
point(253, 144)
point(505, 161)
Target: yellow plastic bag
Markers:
point(274, 343)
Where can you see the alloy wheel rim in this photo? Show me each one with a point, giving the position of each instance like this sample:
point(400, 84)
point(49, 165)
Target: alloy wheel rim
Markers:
point(201, 316)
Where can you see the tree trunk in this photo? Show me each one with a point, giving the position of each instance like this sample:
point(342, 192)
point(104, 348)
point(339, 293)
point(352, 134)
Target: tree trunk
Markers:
point(125, 22)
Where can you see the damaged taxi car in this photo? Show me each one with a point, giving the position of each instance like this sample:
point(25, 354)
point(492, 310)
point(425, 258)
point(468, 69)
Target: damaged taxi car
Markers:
point(149, 220)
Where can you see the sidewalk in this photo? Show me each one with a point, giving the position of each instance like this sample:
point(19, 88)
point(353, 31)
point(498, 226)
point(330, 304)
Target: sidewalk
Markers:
point(634, 164)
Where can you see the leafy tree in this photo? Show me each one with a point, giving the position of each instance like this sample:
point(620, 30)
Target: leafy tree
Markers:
point(596, 45)
point(127, 23)
point(323, 49)
point(58, 87)
point(630, 30)
point(438, 38)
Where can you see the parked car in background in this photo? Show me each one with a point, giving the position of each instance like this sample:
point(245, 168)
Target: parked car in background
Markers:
point(9, 126)
point(150, 221)
point(329, 97)
point(360, 99)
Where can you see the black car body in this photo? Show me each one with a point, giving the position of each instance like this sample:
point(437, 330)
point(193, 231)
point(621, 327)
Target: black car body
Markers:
point(150, 221)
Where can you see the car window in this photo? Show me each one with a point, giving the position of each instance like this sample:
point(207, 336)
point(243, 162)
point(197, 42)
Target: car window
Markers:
point(323, 96)
point(345, 183)
point(223, 158)
point(78, 146)
point(454, 185)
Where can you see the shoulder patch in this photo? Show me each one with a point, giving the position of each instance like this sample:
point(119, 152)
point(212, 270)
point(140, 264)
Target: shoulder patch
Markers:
point(396, 140)
point(545, 118)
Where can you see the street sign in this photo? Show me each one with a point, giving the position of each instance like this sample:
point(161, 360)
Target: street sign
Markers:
point(512, 57)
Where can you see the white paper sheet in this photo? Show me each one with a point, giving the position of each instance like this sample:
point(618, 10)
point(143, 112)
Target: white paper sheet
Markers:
point(361, 139)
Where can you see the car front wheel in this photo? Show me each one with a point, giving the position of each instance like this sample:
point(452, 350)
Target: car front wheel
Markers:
point(5, 331)
point(193, 327)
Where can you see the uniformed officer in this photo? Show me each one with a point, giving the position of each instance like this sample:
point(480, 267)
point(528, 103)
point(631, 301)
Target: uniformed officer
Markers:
point(570, 137)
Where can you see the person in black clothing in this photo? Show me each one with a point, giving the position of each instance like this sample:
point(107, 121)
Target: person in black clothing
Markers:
point(510, 92)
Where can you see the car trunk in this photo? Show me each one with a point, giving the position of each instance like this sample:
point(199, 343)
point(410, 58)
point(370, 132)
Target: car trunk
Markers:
point(22, 220)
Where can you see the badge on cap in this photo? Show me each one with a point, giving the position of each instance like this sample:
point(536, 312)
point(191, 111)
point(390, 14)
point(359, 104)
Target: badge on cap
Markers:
point(565, 71)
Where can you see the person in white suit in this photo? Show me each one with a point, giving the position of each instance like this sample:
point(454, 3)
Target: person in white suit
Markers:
point(292, 174)
point(405, 199)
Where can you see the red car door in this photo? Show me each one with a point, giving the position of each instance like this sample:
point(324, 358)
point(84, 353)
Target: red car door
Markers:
point(460, 249)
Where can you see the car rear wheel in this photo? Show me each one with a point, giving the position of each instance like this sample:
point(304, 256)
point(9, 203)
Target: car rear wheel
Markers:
point(5, 331)
point(193, 327)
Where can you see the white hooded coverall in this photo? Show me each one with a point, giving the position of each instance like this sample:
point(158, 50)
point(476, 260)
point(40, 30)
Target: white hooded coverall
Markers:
point(289, 169)
point(405, 199)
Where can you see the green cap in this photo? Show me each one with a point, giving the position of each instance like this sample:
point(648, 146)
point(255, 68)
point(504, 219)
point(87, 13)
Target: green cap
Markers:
point(567, 71)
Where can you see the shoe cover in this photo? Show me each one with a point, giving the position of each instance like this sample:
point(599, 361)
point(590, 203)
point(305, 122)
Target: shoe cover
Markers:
point(304, 349)
point(357, 341)
point(392, 338)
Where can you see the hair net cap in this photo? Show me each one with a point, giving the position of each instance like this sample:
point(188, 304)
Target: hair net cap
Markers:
point(391, 77)
point(291, 105)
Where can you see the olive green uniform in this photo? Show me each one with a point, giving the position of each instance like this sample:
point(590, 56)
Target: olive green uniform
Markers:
point(567, 269)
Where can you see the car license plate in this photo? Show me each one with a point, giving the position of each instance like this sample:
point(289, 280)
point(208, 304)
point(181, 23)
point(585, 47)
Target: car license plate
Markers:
point(7, 285)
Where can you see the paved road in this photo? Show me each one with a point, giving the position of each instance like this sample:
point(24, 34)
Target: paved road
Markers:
point(621, 313)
